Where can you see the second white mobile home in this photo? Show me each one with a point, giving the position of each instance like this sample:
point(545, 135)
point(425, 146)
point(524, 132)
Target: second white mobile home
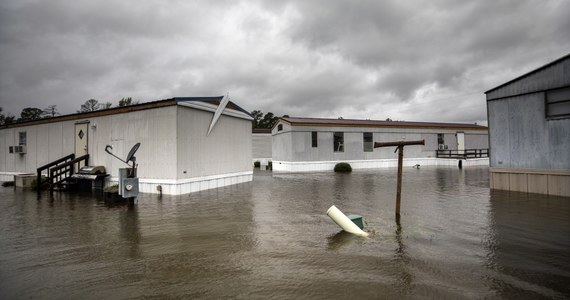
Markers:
point(316, 144)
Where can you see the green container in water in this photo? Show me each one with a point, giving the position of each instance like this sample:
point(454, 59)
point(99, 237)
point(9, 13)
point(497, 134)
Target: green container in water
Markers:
point(357, 219)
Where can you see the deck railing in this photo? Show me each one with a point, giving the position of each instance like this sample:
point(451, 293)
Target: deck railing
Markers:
point(462, 154)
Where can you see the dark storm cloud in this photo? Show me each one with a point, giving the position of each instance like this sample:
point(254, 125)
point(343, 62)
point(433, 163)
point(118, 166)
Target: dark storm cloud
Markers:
point(434, 42)
point(362, 59)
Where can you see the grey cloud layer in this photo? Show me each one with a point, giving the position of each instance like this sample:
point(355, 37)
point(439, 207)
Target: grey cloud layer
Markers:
point(362, 59)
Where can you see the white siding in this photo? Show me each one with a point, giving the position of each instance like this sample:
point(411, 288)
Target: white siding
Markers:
point(293, 152)
point(261, 145)
point(226, 150)
point(154, 128)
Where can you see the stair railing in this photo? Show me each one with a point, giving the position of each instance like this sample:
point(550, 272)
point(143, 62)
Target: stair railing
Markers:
point(60, 170)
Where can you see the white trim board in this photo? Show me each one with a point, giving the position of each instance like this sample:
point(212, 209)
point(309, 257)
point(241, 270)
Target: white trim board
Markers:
point(317, 166)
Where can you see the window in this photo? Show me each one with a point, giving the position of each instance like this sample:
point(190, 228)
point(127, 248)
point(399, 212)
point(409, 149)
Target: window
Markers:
point(314, 139)
point(440, 140)
point(367, 139)
point(558, 103)
point(22, 138)
point(338, 142)
point(279, 127)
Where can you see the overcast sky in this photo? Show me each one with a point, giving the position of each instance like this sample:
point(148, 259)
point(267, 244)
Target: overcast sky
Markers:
point(406, 60)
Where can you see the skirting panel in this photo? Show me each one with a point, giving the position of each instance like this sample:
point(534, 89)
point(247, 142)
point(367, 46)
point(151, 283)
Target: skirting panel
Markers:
point(9, 176)
point(185, 186)
point(549, 182)
point(316, 166)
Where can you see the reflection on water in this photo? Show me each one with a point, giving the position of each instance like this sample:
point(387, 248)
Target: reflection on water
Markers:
point(271, 238)
point(130, 231)
point(528, 245)
point(401, 258)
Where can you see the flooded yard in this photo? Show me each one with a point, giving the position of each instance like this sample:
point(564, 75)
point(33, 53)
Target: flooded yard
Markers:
point(271, 239)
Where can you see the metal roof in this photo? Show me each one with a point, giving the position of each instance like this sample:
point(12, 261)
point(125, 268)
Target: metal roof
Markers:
point(125, 109)
point(295, 121)
point(261, 130)
point(567, 56)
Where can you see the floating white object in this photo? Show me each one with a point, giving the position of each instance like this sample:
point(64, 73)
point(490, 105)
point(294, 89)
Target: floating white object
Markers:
point(344, 222)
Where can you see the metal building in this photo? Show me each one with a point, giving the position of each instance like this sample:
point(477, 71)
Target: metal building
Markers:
point(184, 146)
point(313, 144)
point(529, 131)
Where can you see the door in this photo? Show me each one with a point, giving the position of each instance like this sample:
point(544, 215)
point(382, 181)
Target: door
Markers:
point(460, 142)
point(81, 136)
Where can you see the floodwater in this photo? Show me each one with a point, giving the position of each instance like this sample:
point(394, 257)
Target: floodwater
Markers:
point(271, 239)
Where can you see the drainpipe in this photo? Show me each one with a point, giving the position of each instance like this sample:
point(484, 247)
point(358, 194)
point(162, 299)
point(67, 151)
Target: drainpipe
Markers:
point(344, 222)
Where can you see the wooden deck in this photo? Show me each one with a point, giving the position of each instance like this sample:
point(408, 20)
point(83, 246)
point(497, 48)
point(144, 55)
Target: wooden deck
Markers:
point(462, 154)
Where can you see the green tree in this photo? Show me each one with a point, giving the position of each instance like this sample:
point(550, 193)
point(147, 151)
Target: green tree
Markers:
point(90, 105)
point(127, 101)
point(6, 119)
point(268, 120)
point(257, 116)
point(107, 105)
point(263, 121)
point(9, 119)
point(50, 112)
point(30, 113)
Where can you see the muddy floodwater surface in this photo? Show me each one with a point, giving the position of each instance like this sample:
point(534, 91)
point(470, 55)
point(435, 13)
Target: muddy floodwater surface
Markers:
point(271, 239)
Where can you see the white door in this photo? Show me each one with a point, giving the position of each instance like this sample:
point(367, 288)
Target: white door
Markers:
point(460, 142)
point(81, 136)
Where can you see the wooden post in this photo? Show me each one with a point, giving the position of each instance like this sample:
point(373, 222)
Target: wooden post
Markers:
point(399, 186)
point(400, 148)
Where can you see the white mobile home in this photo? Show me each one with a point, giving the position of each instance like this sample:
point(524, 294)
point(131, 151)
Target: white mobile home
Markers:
point(529, 131)
point(187, 144)
point(314, 144)
point(261, 145)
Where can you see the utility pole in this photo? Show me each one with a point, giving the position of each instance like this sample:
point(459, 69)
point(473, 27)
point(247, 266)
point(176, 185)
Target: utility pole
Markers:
point(400, 148)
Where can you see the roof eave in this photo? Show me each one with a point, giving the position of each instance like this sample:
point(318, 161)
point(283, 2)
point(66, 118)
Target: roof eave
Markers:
point(530, 73)
point(93, 114)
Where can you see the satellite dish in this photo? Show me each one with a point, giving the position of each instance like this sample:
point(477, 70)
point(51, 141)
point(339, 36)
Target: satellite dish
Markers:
point(134, 149)
point(130, 157)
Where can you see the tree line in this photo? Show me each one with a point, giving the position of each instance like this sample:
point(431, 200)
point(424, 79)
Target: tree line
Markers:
point(267, 120)
point(34, 113)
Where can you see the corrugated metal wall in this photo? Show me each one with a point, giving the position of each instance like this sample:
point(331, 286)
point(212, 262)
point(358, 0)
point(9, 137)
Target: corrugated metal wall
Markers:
point(521, 137)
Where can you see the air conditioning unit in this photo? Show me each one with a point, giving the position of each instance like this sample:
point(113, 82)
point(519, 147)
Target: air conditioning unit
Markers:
point(445, 147)
point(20, 149)
point(441, 146)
